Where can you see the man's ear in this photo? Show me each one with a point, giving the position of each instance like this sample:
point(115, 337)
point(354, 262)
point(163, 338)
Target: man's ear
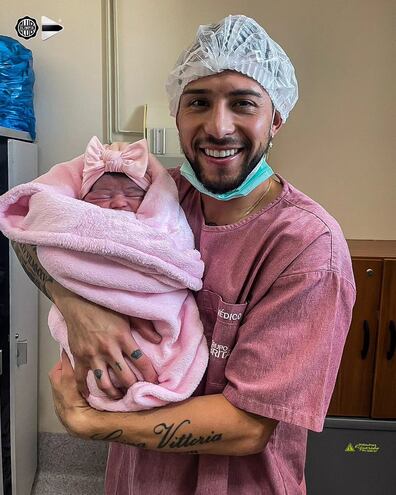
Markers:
point(277, 124)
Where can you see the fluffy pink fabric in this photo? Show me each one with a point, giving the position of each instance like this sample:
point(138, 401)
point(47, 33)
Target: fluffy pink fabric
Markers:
point(136, 264)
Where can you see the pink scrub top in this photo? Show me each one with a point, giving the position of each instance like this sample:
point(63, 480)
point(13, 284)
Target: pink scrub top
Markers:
point(276, 306)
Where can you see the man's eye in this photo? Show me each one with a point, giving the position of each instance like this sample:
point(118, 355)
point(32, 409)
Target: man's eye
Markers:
point(244, 103)
point(198, 103)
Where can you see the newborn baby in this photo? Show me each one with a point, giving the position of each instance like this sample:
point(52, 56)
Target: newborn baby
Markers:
point(137, 262)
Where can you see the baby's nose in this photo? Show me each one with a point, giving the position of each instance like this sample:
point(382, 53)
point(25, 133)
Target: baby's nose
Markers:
point(118, 201)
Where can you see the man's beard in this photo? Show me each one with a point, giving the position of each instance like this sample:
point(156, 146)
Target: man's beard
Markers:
point(225, 184)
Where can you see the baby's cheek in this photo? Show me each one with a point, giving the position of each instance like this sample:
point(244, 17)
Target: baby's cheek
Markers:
point(102, 203)
point(134, 204)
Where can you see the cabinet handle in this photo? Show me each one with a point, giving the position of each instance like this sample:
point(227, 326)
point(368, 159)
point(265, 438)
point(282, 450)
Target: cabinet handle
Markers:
point(392, 346)
point(366, 339)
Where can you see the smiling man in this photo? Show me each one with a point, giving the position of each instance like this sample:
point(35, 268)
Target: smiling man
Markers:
point(226, 124)
point(276, 302)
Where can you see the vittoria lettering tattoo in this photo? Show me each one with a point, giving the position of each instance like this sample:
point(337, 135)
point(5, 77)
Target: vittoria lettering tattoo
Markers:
point(27, 256)
point(107, 436)
point(116, 436)
point(171, 441)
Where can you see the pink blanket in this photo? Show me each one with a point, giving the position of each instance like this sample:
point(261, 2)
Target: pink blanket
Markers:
point(136, 264)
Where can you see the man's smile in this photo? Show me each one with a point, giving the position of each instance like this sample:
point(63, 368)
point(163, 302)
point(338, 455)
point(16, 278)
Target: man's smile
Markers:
point(220, 156)
point(220, 153)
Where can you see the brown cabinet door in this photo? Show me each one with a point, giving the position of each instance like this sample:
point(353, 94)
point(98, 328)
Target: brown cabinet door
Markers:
point(353, 391)
point(384, 390)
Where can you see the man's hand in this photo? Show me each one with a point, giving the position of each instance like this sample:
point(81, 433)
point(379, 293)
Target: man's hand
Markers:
point(100, 339)
point(72, 410)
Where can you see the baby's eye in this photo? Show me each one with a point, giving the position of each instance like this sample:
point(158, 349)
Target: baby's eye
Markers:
point(134, 195)
point(98, 197)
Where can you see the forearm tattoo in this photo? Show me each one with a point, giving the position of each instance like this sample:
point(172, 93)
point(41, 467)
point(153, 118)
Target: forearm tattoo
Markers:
point(115, 436)
point(27, 256)
point(167, 437)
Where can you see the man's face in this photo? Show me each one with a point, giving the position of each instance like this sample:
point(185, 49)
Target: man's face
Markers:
point(224, 124)
point(116, 192)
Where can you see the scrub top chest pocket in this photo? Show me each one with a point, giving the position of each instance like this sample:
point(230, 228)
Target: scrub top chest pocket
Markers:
point(221, 321)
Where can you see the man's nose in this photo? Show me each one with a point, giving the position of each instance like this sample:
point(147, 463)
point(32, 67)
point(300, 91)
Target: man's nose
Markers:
point(219, 122)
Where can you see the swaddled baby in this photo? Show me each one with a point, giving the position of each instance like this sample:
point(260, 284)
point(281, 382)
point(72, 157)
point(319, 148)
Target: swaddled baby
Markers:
point(128, 247)
point(119, 181)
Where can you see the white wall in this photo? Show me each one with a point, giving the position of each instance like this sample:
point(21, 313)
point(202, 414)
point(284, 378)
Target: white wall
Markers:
point(338, 144)
point(68, 107)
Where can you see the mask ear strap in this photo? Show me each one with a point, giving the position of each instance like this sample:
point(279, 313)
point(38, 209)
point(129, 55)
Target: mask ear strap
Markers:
point(270, 145)
point(272, 123)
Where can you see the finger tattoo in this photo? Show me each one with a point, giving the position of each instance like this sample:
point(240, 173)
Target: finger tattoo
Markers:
point(136, 354)
point(98, 374)
point(118, 366)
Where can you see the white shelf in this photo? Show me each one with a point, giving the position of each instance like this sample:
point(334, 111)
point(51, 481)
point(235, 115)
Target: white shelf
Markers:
point(15, 134)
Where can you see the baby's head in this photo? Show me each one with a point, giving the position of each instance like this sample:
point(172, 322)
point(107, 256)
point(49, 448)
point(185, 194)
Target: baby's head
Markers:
point(115, 179)
point(115, 191)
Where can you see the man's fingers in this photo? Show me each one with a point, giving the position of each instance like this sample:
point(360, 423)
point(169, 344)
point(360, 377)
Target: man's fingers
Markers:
point(123, 372)
point(136, 355)
point(80, 373)
point(146, 329)
point(55, 373)
point(103, 380)
point(67, 368)
point(143, 364)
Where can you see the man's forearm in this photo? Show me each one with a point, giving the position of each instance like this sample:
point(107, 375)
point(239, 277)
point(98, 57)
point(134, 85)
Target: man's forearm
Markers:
point(208, 424)
point(27, 256)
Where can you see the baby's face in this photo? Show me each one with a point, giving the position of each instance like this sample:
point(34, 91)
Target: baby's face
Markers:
point(116, 192)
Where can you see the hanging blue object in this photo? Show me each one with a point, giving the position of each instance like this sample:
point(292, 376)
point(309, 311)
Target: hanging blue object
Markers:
point(16, 86)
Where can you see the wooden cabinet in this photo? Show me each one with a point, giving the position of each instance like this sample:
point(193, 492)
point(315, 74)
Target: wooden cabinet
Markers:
point(366, 382)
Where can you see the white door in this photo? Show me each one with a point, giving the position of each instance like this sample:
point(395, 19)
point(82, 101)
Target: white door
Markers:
point(22, 160)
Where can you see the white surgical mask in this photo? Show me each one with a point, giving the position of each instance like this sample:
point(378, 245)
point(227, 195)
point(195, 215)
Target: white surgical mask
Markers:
point(261, 172)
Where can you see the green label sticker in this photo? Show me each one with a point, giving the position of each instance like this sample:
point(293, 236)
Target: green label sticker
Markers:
point(365, 448)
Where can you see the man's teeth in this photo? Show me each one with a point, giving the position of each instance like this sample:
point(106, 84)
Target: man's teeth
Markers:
point(221, 153)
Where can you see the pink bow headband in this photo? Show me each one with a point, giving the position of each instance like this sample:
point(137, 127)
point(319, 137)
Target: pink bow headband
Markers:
point(98, 160)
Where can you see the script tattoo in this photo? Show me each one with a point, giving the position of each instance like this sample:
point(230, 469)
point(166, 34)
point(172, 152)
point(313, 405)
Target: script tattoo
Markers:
point(115, 436)
point(27, 256)
point(170, 440)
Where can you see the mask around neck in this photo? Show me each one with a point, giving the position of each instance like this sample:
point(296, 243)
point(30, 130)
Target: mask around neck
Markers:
point(261, 172)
